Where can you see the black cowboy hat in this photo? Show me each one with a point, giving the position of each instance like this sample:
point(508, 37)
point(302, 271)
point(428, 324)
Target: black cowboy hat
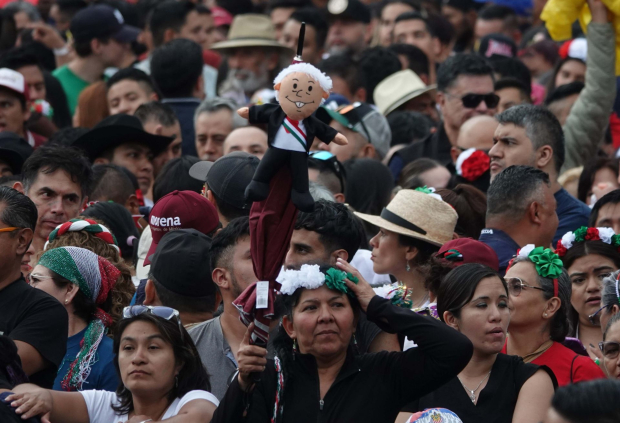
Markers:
point(116, 130)
point(14, 150)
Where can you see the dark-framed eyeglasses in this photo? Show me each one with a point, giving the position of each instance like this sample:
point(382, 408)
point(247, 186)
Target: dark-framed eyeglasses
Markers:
point(516, 285)
point(471, 101)
point(610, 349)
point(330, 161)
point(165, 313)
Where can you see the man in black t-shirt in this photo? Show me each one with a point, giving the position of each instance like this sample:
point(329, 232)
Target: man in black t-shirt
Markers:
point(34, 320)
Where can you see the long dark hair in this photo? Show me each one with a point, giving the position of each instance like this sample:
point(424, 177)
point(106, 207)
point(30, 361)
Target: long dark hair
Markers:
point(192, 375)
point(283, 344)
point(582, 249)
point(459, 286)
point(368, 188)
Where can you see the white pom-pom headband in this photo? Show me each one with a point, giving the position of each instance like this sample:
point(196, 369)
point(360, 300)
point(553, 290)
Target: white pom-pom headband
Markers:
point(311, 277)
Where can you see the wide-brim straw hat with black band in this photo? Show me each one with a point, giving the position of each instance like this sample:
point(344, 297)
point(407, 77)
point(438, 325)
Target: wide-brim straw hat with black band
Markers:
point(417, 215)
point(399, 88)
point(251, 30)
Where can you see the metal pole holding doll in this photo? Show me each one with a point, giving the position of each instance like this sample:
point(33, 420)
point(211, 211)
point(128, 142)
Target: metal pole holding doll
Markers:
point(280, 185)
point(291, 128)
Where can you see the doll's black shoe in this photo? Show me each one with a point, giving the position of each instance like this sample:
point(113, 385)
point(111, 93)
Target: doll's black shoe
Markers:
point(257, 191)
point(302, 200)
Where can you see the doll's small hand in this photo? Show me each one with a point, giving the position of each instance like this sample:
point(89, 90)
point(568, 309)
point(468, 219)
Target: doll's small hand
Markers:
point(244, 112)
point(340, 139)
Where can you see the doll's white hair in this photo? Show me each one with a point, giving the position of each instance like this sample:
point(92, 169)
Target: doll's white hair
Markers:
point(324, 81)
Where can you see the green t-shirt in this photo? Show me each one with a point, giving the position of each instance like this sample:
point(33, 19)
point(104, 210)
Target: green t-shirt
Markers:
point(71, 84)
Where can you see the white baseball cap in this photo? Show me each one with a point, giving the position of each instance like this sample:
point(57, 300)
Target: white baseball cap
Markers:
point(14, 81)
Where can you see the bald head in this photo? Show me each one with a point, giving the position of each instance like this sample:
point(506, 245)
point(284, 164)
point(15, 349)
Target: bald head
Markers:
point(477, 133)
point(249, 139)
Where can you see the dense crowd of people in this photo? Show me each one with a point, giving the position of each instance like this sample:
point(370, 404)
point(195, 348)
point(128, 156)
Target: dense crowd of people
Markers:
point(428, 232)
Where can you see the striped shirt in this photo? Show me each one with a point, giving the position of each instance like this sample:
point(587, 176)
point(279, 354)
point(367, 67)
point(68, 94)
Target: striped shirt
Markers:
point(291, 136)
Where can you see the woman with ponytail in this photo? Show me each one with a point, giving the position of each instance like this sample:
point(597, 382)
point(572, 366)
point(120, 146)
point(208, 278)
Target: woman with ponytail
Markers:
point(83, 282)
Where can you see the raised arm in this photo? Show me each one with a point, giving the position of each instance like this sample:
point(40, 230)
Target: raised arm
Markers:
point(65, 407)
point(441, 354)
point(588, 119)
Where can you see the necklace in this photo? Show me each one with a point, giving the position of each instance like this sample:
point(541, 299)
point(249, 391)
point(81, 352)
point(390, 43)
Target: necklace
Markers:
point(472, 392)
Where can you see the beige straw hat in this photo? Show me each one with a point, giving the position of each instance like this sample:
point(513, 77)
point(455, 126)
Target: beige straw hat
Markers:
point(397, 89)
point(251, 30)
point(418, 215)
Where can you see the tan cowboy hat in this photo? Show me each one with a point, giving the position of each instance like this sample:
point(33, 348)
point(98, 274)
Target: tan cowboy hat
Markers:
point(397, 89)
point(417, 215)
point(251, 30)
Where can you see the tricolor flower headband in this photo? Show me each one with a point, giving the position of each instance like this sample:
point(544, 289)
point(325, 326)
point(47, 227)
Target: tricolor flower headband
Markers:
point(311, 277)
point(607, 235)
point(547, 263)
point(472, 163)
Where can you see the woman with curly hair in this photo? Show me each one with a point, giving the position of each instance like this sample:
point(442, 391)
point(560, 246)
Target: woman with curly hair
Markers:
point(88, 233)
point(83, 282)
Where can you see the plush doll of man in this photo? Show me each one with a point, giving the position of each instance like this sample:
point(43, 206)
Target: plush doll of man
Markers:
point(300, 90)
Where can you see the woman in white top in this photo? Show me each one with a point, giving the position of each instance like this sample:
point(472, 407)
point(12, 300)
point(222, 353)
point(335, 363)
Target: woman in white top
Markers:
point(162, 378)
point(413, 226)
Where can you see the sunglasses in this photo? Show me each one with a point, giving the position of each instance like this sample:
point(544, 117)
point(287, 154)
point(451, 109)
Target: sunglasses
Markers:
point(165, 313)
point(516, 285)
point(331, 162)
point(610, 349)
point(471, 101)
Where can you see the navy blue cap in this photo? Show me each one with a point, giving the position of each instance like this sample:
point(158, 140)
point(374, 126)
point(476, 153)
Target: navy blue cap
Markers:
point(101, 21)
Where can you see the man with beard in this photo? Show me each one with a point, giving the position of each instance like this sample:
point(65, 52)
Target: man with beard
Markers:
point(350, 27)
point(253, 57)
point(218, 339)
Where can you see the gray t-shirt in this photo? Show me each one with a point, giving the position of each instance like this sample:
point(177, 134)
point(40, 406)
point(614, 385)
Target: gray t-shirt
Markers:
point(215, 353)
